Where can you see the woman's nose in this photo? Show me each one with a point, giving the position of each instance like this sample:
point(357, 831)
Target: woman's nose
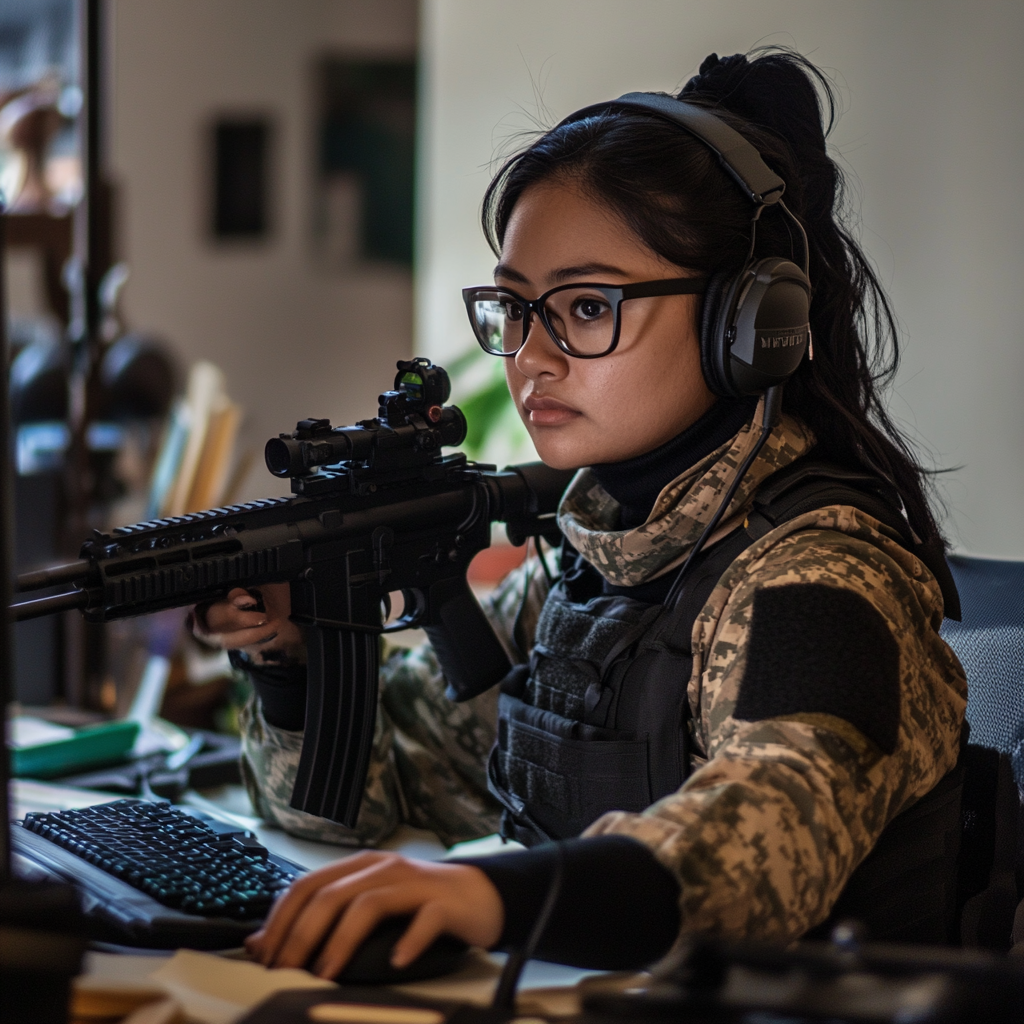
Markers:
point(540, 356)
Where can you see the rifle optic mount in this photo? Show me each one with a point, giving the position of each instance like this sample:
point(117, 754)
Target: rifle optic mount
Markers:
point(411, 425)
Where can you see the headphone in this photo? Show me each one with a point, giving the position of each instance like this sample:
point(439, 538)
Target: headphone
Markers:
point(755, 326)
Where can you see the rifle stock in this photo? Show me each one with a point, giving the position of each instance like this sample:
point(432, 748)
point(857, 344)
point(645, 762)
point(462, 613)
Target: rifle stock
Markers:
point(470, 668)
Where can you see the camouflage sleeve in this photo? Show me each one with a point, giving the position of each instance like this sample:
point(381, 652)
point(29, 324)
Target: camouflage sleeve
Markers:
point(429, 762)
point(766, 832)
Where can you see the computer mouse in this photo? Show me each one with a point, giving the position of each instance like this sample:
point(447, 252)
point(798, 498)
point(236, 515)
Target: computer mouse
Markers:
point(370, 964)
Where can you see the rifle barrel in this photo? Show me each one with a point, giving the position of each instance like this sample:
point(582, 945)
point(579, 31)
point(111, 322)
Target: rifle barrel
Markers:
point(54, 575)
point(48, 605)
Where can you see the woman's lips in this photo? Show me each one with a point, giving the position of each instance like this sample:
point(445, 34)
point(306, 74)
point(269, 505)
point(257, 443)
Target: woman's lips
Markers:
point(548, 412)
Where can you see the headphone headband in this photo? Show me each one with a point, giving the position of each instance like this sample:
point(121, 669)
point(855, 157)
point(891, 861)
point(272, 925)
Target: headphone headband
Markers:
point(738, 157)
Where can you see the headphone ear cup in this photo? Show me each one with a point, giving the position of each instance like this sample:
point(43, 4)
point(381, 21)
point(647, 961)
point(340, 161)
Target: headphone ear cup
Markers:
point(765, 318)
point(713, 348)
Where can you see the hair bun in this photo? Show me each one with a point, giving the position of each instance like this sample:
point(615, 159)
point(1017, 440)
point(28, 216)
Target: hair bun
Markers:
point(716, 76)
point(775, 89)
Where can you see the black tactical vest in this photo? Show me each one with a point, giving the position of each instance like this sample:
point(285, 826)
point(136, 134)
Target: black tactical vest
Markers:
point(599, 720)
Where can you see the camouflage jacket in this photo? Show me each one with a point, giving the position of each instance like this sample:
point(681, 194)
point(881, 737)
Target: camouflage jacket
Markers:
point(778, 812)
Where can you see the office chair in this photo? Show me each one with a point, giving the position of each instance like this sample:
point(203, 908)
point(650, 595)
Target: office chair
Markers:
point(990, 644)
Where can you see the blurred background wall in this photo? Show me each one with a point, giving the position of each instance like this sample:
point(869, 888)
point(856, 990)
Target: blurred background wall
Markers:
point(297, 331)
point(930, 135)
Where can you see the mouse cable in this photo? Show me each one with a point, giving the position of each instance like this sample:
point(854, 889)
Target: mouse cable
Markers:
point(508, 982)
point(769, 418)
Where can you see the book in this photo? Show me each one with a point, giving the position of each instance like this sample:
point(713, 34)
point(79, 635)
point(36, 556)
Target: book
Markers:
point(168, 461)
point(211, 475)
point(193, 469)
point(204, 396)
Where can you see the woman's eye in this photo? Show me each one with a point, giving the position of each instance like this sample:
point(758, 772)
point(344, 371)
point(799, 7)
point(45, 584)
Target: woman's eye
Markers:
point(513, 310)
point(589, 309)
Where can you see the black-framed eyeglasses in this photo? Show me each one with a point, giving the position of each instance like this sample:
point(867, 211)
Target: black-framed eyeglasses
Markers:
point(583, 320)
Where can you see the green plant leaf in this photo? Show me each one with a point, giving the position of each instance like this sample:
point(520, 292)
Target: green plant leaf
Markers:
point(488, 407)
point(484, 410)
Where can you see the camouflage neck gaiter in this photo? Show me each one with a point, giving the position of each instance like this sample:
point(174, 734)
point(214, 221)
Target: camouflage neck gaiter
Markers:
point(588, 515)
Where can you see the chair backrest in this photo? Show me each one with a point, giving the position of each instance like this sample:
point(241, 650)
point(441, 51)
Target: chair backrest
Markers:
point(990, 644)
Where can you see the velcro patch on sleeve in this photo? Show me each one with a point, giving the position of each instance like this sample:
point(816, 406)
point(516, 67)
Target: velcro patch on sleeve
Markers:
point(815, 648)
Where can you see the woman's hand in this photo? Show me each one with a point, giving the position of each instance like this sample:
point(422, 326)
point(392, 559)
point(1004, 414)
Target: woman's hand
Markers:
point(333, 909)
point(254, 621)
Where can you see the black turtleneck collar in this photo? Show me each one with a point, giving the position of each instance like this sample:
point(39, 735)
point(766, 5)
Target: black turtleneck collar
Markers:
point(636, 483)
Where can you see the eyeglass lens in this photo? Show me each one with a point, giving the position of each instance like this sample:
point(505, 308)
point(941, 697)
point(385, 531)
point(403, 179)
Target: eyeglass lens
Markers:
point(581, 319)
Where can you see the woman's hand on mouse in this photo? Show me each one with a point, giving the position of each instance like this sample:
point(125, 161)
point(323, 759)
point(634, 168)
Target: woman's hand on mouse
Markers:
point(255, 621)
point(335, 908)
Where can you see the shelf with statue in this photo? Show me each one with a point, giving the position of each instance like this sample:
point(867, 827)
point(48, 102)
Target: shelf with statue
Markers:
point(42, 179)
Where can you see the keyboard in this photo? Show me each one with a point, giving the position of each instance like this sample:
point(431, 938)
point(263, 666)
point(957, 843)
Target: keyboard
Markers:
point(156, 875)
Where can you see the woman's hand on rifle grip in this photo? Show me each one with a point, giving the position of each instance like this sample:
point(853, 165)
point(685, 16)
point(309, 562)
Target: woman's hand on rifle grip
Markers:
point(254, 621)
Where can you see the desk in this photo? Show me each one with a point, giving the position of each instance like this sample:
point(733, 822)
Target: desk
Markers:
point(231, 804)
point(544, 986)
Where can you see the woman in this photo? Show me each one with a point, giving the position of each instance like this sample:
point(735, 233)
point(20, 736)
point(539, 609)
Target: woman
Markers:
point(823, 701)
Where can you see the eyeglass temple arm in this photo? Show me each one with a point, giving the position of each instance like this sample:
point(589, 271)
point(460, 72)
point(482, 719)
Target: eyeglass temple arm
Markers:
point(674, 286)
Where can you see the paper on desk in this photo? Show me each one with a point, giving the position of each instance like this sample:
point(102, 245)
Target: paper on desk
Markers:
point(28, 796)
point(26, 731)
point(215, 990)
point(218, 990)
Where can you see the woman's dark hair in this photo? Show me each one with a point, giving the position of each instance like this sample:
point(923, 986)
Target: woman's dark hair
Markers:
point(671, 190)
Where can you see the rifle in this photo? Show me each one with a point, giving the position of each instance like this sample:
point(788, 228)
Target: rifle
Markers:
point(375, 508)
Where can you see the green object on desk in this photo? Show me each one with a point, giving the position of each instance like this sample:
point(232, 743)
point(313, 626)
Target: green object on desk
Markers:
point(90, 746)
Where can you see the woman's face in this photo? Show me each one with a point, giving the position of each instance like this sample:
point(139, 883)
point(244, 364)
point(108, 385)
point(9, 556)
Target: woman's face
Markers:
point(580, 412)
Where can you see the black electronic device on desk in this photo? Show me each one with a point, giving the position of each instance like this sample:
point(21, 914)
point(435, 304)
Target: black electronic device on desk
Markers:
point(842, 982)
point(209, 759)
point(370, 964)
point(155, 876)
